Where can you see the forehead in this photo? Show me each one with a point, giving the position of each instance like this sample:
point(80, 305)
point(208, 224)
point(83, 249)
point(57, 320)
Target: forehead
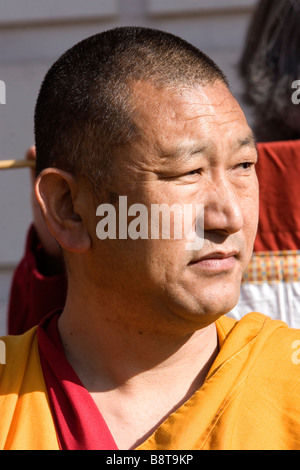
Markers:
point(172, 117)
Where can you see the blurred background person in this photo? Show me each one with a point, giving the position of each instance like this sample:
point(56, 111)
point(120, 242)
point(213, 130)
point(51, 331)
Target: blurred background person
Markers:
point(269, 65)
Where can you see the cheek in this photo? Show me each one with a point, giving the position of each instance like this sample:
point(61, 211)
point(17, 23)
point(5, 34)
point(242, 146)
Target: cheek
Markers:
point(249, 202)
point(252, 209)
point(166, 258)
point(250, 214)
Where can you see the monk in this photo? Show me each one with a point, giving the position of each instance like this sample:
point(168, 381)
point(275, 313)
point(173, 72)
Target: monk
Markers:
point(142, 355)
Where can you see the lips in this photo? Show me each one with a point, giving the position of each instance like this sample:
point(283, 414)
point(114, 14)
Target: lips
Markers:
point(216, 255)
point(216, 261)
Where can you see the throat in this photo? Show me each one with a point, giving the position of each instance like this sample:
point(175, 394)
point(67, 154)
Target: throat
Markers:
point(134, 411)
point(138, 382)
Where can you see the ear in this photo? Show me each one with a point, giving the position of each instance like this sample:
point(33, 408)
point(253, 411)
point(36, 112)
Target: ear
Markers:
point(59, 194)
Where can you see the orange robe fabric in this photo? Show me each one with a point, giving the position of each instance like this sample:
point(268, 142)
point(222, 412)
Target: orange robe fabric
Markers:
point(25, 419)
point(249, 400)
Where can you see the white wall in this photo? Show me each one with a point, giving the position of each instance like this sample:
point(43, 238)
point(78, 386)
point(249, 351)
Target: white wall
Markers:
point(34, 33)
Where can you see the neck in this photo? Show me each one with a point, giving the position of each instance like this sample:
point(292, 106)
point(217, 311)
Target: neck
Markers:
point(111, 349)
point(126, 366)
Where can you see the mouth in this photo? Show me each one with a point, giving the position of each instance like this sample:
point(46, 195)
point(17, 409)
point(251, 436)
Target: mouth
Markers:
point(216, 261)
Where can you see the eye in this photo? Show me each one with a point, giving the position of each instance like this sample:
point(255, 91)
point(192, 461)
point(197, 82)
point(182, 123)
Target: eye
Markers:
point(195, 172)
point(245, 165)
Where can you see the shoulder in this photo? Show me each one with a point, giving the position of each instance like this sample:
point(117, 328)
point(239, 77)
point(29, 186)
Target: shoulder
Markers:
point(17, 352)
point(270, 331)
point(272, 344)
point(275, 347)
point(25, 415)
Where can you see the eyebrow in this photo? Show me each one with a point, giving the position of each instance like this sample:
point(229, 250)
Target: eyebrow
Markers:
point(184, 151)
point(187, 151)
point(248, 141)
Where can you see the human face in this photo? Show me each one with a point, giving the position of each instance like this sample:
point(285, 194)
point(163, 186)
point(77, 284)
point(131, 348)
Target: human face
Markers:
point(195, 146)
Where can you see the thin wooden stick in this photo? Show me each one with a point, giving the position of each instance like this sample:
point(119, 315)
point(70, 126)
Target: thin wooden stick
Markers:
point(10, 164)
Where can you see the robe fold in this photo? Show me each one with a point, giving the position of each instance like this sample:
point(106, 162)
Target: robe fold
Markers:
point(26, 421)
point(78, 422)
point(249, 400)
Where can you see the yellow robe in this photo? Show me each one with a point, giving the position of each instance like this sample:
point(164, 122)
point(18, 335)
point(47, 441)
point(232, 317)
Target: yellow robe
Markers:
point(249, 400)
point(25, 418)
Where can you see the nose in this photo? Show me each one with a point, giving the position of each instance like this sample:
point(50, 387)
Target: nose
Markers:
point(223, 208)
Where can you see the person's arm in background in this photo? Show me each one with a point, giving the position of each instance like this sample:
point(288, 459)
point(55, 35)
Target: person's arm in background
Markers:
point(39, 283)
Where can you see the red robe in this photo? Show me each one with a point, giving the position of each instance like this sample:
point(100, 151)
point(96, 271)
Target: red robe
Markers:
point(278, 172)
point(32, 294)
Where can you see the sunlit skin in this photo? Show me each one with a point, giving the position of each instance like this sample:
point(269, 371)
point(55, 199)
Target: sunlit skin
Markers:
point(195, 147)
point(139, 317)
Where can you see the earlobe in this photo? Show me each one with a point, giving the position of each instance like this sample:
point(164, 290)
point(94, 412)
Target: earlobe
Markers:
point(57, 193)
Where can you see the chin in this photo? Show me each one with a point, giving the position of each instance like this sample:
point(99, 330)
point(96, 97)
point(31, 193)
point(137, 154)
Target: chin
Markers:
point(212, 303)
point(198, 313)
